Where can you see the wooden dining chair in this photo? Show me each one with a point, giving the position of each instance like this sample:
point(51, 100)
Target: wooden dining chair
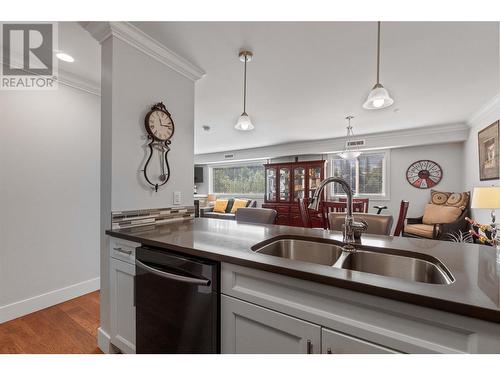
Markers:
point(365, 202)
point(304, 214)
point(403, 210)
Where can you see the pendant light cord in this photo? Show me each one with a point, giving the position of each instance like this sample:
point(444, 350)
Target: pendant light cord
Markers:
point(378, 54)
point(245, 87)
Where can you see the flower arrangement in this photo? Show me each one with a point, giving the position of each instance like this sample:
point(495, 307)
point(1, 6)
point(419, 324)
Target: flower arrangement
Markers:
point(484, 233)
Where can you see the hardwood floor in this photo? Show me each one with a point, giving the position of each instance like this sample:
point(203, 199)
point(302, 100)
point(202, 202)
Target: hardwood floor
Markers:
point(70, 327)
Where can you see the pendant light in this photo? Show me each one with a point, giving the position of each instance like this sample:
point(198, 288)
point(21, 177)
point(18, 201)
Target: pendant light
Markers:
point(349, 153)
point(244, 123)
point(379, 97)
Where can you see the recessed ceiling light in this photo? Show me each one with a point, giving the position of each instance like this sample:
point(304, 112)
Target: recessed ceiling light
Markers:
point(64, 57)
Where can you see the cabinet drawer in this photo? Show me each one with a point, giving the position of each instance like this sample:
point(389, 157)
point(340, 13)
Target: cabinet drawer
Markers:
point(123, 250)
point(282, 219)
point(333, 342)
point(282, 209)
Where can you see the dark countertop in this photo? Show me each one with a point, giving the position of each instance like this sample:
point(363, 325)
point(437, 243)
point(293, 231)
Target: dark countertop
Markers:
point(475, 292)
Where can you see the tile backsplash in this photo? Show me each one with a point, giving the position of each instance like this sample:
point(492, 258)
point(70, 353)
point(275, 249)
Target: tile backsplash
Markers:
point(152, 216)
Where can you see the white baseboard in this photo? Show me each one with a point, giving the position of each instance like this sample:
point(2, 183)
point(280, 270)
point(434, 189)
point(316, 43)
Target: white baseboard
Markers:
point(42, 301)
point(103, 340)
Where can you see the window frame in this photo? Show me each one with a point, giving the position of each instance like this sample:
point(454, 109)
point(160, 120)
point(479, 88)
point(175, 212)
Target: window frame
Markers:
point(385, 195)
point(234, 165)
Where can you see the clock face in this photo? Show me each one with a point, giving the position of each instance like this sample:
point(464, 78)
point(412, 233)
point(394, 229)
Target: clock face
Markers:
point(424, 174)
point(160, 125)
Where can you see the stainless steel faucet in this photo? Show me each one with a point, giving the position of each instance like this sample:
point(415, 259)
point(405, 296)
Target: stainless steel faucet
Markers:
point(350, 225)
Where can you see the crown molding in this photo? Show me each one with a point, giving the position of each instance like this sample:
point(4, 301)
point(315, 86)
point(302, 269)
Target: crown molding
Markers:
point(447, 133)
point(483, 112)
point(67, 78)
point(144, 43)
point(72, 80)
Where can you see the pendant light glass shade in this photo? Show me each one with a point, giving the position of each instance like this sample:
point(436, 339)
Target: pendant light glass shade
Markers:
point(378, 97)
point(244, 123)
point(349, 153)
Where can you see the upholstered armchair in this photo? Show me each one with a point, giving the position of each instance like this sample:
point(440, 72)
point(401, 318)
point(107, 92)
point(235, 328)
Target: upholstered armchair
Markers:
point(443, 216)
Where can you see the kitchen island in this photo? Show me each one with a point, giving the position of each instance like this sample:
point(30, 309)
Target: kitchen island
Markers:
point(273, 304)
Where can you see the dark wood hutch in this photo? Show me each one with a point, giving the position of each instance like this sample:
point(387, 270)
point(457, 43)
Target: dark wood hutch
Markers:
point(286, 183)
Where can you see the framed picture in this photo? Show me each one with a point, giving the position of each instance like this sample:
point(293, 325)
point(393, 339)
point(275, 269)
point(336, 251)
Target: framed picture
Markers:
point(488, 146)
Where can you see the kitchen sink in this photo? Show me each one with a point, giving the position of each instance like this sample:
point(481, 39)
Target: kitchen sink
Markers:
point(402, 267)
point(418, 268)
point(306, 251)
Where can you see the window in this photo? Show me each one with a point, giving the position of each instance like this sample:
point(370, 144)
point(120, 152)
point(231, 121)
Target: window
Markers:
point(240, 180)
point(366, 174)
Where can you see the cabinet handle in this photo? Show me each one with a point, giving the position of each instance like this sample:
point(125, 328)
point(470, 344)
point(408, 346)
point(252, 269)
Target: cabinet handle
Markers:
point(329, 351)
point(119, 249)
point(309, 347)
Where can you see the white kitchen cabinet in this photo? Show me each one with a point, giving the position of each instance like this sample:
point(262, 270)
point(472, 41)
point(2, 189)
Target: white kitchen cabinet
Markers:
point(361, 318)
point(333, 342)
point(250, 329)
point(122, 276)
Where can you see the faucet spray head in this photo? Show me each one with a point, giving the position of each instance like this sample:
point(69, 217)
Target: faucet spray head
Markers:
point(314, 204)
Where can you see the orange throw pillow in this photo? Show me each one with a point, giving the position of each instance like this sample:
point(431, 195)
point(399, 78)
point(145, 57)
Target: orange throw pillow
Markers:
point(238, 203)
point(439, 214)
point(220, 205)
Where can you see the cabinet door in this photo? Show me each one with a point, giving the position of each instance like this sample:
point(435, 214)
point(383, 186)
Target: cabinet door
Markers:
point(299, 183)
point(250, 329)
point(122, 276)
point(284, 187)
point(333, 342)
point(271, 184)
point(315, 175)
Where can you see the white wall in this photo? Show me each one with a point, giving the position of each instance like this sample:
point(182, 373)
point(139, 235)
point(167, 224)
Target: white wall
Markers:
point(471, 156)
point(49, 197)
point(131, 83)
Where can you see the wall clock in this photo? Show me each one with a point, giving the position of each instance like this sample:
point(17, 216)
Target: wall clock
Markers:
point(424, 174)
point(160, 128)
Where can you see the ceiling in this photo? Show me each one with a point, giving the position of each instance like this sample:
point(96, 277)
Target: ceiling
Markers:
point(72, 39)
point(307, 76)
point(77, 42)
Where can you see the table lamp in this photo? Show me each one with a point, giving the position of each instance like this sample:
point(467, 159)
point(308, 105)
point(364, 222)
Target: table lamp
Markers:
point(211, 199)
point(487, 197)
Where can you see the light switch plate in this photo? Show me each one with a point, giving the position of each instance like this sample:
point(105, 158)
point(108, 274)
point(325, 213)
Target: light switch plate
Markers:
point(177, 197)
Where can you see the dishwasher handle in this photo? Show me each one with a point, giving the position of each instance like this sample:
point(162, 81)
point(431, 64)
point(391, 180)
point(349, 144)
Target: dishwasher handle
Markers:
point(172, 276)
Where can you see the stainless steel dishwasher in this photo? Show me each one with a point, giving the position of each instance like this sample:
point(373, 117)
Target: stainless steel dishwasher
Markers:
point(177, 303)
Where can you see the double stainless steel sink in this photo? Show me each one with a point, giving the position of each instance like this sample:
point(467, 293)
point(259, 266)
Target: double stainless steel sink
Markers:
point(390, 263)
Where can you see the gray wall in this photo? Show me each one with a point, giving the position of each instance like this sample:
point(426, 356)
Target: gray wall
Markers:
point(471, 157)
point(49, 197)
point(138, 82)
point(447, 155)
point(131, 82)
